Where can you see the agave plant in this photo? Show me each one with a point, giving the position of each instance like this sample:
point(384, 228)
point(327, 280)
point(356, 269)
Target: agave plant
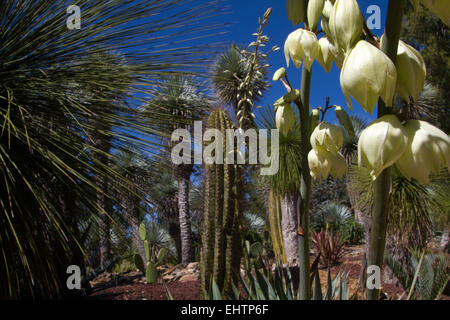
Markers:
point(260, 282)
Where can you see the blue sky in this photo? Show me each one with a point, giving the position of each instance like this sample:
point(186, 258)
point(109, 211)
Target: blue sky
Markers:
point(244, 18)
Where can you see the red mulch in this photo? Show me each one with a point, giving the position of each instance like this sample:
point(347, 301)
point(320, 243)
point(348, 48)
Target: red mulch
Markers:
point(188, 290)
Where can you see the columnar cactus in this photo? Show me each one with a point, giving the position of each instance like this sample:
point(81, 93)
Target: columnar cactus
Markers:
point(221, 244)
point(275, 225)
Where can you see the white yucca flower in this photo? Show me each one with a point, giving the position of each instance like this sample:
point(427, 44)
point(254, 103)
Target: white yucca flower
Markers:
point(325, 58)
point(367, 75)
point(381, 144)
point(315, 8)
point(323, 163)
point(301, 45)
point(428, 147)
point(319, 164)
point(411, 72)
point(328, 136)
point(346, 23)
point(338, 165)
point(284, 118)
point(327, 7)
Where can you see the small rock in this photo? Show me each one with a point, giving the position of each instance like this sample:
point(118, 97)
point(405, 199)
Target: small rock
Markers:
point(189, 277)
point(193, 266)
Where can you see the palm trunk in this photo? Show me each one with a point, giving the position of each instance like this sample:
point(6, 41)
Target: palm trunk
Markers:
point(383, 182)
point(133, 217)
point(444, 244)
point(104, 205)
point(185, 218)
point(289, 228)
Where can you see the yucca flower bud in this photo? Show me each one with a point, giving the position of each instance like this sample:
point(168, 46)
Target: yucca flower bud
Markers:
point(346, 23)
point(301, 45)
point(381, 144)
point(314, 118)
point(428, 147)
point(411, 72)
point(325, 58)
point(338, 165)
point(314, 12)
point(280, 73)
point(289, 97)
point(319, 163)
point(441, 8)
point(344, 120)
point(295, 11)
point(328, 136)
point(368, 74)
point(284, 118)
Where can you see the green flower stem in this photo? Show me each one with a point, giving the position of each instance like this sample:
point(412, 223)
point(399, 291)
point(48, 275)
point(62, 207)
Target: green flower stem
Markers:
point(382, 185)
point(305, 187)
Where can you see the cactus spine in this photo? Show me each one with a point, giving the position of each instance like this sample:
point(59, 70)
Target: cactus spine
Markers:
point(220, 255)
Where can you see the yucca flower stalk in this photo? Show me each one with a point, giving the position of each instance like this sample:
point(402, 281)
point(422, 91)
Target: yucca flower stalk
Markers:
point(382, 184)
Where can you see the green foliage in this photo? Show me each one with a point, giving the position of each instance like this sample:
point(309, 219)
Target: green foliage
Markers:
point(221, 243)
point(261, 282)
point(427, 33)
point(56, 86)
point(339, 219)
point(329, 245)
point(330, 216)
point(239, 75)
point(288, 177)
point(352, 232)
point(430, 274)
point(156, 242)
point(410, 207)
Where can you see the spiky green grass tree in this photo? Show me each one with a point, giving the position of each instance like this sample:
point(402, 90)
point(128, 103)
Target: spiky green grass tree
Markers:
point(182, 100)
point(47, 172)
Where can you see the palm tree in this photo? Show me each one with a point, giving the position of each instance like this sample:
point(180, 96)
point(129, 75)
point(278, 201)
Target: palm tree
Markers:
point(47, 170)
point(183, 101)
point(286, 182)
point(162, 196)
point(229, 71)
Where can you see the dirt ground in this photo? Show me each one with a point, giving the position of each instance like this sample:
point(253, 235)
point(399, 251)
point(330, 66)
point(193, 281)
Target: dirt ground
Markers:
point(128, 288)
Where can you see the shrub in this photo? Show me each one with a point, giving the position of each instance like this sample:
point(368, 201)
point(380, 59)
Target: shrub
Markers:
point(351, 232)
point(331, 216)
point(329, 245)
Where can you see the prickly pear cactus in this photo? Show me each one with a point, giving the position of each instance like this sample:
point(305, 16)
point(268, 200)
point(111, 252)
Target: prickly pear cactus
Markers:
point(150, 269)
point(221, 244)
